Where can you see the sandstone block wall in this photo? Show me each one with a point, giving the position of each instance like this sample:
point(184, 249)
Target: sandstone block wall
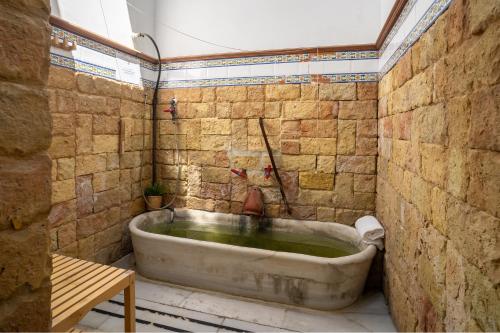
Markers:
point(438, 180)
point(25, 121)
point(324, 140)
point(95, 188)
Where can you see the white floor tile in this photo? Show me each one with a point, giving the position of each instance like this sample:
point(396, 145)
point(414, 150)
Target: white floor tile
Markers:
point(250, 327)
point(372, 322)
point(371, 303)
point(236, 309)
point(308, 322)
point(93, 319)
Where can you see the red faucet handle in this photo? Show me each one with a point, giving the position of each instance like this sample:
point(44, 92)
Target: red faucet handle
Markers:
point(267, 171)
point(169, 110)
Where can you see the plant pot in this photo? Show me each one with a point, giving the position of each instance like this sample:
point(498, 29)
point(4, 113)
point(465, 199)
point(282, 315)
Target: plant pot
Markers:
point(154, 202)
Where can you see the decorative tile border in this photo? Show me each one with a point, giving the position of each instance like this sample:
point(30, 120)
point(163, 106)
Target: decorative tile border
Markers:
point(343, 66)
point(399, 22)
point(275, 59)
point(431, 15)
point(81, 66)
point(258, 80)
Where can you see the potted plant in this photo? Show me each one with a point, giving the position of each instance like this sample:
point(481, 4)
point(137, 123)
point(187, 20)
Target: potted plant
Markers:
point(154, 196)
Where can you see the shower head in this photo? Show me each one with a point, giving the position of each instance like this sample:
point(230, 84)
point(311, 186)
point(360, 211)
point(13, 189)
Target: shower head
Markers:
point(137, 35)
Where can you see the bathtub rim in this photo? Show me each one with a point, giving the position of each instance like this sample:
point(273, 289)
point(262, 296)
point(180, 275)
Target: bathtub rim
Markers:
point(366, 253)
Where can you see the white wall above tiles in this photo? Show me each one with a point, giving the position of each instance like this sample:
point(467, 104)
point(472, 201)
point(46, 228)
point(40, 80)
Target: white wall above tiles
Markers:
point(343, 66)
point(241, 24)
point(264, 24)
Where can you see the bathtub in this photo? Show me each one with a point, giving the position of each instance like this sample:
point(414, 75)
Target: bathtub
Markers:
point(289, 278)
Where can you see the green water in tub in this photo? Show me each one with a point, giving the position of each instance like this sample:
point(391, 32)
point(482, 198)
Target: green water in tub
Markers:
point(268, 239)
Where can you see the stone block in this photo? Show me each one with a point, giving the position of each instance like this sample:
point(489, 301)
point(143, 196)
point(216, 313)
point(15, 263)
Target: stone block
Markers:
point(484, 183)
point(309, 92)
point(346, 137)
point(105, 144)
point(245, 162)
point(315, 197)
point(106, 180)
point(366, 146)
point(63, 190)
point(328, 109)
point(458, 172)
point(349, 216)
point(25, 121)
point(291, 147)
point(256, 93)
point(247, 110)
point(84, 195)
point(202, 204)
point(62, 78)
point(282, 92)
point(215, 175)
point(223, 110)
point(106, 199)
point(300, 110)
point(66, 234)
point(83, 131)
point(24, 206)
point(298, 162)
point(272, 110)
point(107, 237)
point(92, 104)
point(216, 126)
point(326, 164)
point(65, 168)
point(202, 110)
point(215, 142)
point(343, 195)
point(87, 164)
point(231, 94)
point(358, 110)
point(356, 164)
point(402, 71)
point(364, 200)
point(63, 124)
point(239, 137)
point(364, 183)
point(421, 196)
point(431, 124)
point(272, 127)
point(367, 90)
point(62, 213)
point(484, 132)
point(316, 180)
point(107, 125)
point(337, 91)
point(366, 128)
point(325, 214)
point(434, 163)
point(62, 146)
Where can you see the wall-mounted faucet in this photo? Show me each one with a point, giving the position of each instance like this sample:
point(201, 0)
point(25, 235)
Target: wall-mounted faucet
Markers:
point(172, 109)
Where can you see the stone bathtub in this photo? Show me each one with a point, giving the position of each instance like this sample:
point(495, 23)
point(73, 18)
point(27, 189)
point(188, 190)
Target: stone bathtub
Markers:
point(284, 277)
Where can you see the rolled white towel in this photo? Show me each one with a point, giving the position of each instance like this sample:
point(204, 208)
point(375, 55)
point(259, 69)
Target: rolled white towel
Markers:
point(370, 230)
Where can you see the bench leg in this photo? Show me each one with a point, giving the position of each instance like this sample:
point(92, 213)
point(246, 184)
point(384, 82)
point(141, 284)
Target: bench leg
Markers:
point(130, 306)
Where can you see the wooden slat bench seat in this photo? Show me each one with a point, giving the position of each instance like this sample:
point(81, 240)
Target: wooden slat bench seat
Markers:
point(79, 285)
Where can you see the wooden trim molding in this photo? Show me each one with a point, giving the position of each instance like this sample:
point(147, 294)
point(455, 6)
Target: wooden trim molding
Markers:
point(388, 25)
point(396, 10)
point(65, 25)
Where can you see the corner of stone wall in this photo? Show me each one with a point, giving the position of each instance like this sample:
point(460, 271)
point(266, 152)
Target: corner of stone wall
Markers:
point(96, 189)
point(25, 122)
point(438, 181)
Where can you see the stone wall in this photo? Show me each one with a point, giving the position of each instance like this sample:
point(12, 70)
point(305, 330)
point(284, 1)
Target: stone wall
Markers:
point(325, 147)
point(25, 264)
point(438, 184)
point(95, 189)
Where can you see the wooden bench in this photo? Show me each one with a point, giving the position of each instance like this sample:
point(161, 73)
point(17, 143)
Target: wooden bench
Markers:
point(79, 285)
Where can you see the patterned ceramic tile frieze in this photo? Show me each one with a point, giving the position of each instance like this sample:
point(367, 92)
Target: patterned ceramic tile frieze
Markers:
point(343, 66)
point(424, 14)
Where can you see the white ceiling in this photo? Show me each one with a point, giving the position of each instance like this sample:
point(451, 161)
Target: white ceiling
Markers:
point(195, 27)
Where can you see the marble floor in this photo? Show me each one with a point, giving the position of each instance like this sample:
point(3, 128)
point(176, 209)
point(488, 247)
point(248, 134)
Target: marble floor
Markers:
point(162, 307)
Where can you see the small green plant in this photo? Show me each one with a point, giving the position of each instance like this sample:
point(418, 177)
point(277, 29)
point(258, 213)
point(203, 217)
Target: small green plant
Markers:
point(155, 189)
